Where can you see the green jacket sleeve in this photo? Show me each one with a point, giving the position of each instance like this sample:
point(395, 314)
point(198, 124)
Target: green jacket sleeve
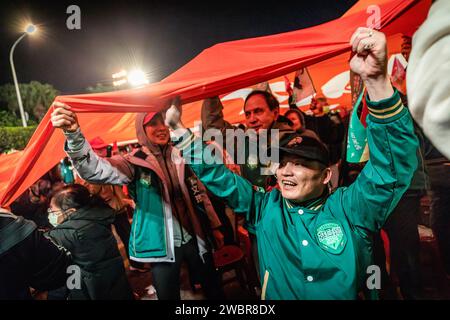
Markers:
point(239, 193)
point(392, 143)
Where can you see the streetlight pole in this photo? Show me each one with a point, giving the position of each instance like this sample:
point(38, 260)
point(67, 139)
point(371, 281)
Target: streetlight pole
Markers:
point(16, 84)
point(30, 29)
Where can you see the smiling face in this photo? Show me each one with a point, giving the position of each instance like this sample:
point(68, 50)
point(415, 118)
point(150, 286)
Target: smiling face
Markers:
point(157, 132)
point(258, 114)
point(300, 179)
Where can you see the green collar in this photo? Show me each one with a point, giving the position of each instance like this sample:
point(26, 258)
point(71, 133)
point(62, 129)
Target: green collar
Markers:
point(312, 204)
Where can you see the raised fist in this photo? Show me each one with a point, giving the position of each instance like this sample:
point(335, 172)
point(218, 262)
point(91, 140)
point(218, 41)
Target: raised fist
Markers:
point(370, 60)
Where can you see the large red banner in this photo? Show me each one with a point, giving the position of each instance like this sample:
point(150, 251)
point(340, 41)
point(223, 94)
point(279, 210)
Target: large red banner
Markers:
point(229, 70)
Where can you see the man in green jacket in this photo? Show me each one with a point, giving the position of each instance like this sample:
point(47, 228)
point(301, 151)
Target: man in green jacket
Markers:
point(312, 244)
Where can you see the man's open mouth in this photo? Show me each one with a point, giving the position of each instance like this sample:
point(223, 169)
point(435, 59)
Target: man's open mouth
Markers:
point(287, 184)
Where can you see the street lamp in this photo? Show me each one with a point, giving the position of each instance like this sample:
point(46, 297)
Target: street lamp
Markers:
point(29, 29)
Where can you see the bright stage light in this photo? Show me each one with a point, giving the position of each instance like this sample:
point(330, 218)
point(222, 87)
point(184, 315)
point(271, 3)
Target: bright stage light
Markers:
point(120, 74)
point(137, 78)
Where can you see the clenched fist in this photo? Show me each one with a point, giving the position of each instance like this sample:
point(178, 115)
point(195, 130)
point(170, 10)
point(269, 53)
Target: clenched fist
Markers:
point(370, 62)
point(64, 118)
point(173, 115)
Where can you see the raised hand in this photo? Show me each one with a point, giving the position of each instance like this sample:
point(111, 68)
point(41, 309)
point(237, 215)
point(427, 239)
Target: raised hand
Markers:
point(370, 62)
point(64, 118)
point(173, 115)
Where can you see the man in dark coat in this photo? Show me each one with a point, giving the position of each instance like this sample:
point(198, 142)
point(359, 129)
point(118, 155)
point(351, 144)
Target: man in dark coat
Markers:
point(83, 228)
point(28, 259)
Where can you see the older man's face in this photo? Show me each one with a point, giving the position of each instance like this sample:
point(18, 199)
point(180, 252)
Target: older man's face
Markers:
point(258, 114)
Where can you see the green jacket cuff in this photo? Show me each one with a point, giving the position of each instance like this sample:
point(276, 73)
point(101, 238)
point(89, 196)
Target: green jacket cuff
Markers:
point(386, 110)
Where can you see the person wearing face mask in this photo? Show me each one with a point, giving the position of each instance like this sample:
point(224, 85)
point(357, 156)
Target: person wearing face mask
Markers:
point(28, 259)
point(166, 228)
point(82, 226)
point(313, 244)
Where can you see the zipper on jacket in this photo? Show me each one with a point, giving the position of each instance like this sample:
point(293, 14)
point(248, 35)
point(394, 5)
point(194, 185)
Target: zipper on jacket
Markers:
point(174, 207)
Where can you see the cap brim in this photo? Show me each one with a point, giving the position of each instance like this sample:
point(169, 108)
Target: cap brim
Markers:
point(149, 117)
point(301, 153)
point(100, 146)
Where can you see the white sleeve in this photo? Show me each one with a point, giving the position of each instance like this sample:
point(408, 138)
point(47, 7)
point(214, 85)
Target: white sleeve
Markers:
point(89, 165)
point(428, 81)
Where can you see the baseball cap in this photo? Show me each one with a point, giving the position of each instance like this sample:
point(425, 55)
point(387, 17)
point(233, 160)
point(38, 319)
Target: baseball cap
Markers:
point(98, 143)
point(303, 146)
point(148, 117)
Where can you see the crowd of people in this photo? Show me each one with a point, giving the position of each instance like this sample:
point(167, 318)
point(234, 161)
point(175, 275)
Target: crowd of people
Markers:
point(310, 238)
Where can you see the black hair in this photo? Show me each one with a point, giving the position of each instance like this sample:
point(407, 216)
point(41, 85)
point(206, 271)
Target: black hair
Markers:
point(272, 102)
point(75, 196)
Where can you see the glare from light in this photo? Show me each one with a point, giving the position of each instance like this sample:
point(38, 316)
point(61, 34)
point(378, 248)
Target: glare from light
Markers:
point(30, 29)
point(137, 78)
point(120, 74)
point(119, 82)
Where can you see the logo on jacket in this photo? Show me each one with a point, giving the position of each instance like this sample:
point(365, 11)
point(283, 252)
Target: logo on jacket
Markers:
point(145, 179)
point(331, 237)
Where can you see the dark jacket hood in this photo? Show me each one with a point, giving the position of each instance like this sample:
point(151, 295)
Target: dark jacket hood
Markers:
point(13, 229)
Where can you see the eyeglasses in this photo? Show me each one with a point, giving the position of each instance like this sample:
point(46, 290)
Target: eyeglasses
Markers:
point(49, 211)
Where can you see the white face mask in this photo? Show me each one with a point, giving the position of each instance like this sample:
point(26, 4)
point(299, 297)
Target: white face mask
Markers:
point(53, 219)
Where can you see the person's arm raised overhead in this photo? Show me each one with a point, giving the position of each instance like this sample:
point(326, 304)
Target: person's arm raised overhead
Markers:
point(88, 164)
point(216, 177)
point(212, 115)
point(390, 135)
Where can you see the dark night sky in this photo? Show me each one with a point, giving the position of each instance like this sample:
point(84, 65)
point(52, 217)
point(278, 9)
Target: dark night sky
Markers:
point(158, 36)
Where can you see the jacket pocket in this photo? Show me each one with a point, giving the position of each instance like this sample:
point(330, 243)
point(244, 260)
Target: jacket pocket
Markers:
point(265, 283)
